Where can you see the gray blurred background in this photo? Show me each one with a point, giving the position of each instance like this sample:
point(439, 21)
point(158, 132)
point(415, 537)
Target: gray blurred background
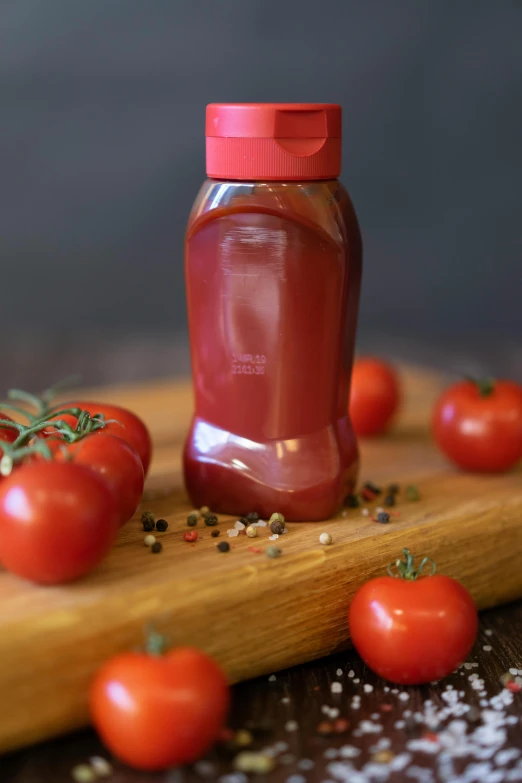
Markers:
point(102, 154)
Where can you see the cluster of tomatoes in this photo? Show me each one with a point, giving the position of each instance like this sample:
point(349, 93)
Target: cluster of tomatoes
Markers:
point(65, 495)
point(476, 424)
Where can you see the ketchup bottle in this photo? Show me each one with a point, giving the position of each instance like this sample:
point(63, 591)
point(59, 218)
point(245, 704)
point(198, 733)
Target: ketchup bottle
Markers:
point(273, 267)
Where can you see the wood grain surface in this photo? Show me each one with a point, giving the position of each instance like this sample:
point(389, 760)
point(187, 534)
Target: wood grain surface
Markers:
point(300, 694)
point(254, 614)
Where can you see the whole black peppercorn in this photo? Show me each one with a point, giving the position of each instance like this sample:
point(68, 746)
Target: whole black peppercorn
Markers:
point(277, 527)
point(351, 501)
point(147, 519)
point(393, 489)
point(252, 517)
point(210, 520)
point(244, 521)
point(223, 546)
point(162, 525)
point(157, 547)
point(389, 500)
point(373, 488)
point(383, 517)
point(215, 533)
point(192, 520)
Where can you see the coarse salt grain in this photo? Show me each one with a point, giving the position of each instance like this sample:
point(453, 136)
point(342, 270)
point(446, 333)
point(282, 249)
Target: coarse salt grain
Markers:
point(205, 768)
point(285, 700)
point(404, 696)
point(386, 689)
point(351, 673)
point(291, 725)
point(333, 713)
point(487, 648)
point(239, 525)
point(336, 687)
point(101, 766)
point(330, 753)
point(273, 537)
point(339, 672)
point(232, 532)
point(365, 512)
point(272, 678)
point(296, 779)
point(368, 688)
point(357, 681)
point(305, 764)
point(349, 752)
point(513, 671)
point(488, 632)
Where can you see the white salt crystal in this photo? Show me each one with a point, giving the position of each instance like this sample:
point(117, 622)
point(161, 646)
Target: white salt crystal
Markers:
point(400, 761)
point(513, 671)
point(368, 688)
point(400, 724)
point(487, 648)
point(285, 700)
point(273, 537)
point(365, 512)
point(349, 752)
point(357, 681)
point(296, 779)
point(339, 672)
point(291, 725)
point(336, 687)
point(330, 753)
point(368, 727)
point(404, 696)
point(281, 747)
point(231, 532)
point(333, 713)
point(272, 678)
point(325, 709)
point(305, 764)
point(505, 756)
point(386, 689)
point(239, 525)
point(488, 632)
point(351, 673)
point(285, 531)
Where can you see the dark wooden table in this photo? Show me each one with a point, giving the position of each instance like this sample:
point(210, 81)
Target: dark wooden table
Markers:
point(283, 715)
point(392, 735)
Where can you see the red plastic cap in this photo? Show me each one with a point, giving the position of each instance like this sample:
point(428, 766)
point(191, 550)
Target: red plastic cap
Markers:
point(273, 141)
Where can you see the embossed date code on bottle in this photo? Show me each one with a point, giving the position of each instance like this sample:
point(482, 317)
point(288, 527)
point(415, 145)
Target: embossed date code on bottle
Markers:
point(248, 364)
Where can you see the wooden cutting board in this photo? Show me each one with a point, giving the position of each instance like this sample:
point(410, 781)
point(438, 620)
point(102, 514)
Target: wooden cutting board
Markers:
point(256, 615)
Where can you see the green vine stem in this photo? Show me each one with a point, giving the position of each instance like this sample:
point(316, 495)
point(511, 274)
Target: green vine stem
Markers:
point(485, 386)
point(405, 569)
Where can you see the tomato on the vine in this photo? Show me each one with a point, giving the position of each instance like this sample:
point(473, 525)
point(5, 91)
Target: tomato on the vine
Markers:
point(57, 521)
point(478, 425)
point(115, 460)
point(157, 711)
point(374, 396)
point(126, 425)
point(412, 629)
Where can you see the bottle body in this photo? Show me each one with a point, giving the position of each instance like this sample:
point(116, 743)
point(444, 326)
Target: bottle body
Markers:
point(272, 273)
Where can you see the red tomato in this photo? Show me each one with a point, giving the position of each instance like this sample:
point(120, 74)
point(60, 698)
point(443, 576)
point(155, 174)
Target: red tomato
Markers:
point(374, 396)
point(7, 434)
point(130, 427)
point(57, 521)
point(479, 426)
point(411, 632)
point(156, 711)
point(115, 461)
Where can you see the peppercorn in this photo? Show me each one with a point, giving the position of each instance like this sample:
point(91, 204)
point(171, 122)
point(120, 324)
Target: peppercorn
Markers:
point(191, 535)
point(162, 525)
point(192, 519)
point(393, 489)
point(252, 517)
point(383, 517)
point(156, 547)
point(273, 551)
point(215, 533)
point(372, 488)
point(244, 521)
point(147, 520)
point(325, 539)
point(204, 510)
point(223, 546)
point(243, 737)
point(252, 532)
point(412, 493)
point(210, 520)
point(276, 516)
point(352, 501)
point(341, 725)
point(368, 495)
point(389, 500)
point(277, 527)
point(324, 728)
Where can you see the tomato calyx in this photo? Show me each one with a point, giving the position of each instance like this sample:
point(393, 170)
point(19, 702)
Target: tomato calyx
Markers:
point(155, 643)
point(405, 568)
point(485, 386)
point(42, 416)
